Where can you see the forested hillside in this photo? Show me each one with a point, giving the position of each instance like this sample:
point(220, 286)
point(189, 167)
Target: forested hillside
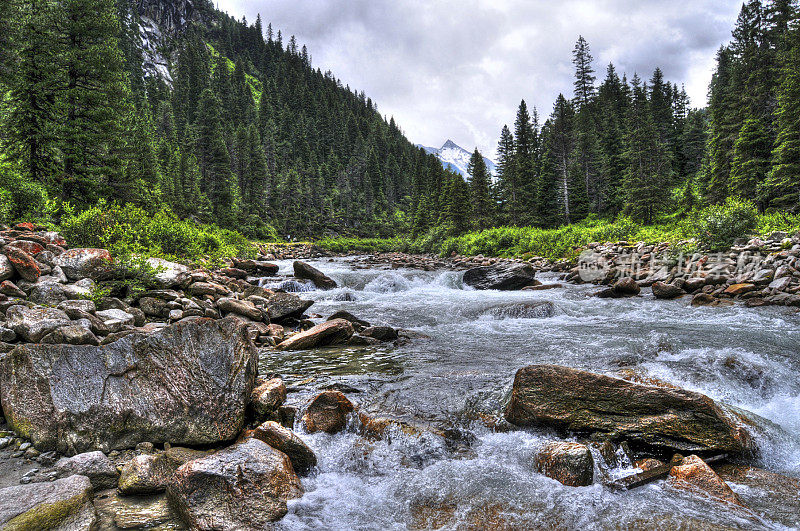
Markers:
point(246, 133)
point(239, 129)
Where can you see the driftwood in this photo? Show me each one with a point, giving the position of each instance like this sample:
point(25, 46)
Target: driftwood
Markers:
point(643, 478)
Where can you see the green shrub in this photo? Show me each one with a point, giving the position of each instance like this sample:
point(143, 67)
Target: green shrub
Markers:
point(21, 199)
point(717, 226)
point(778, 221)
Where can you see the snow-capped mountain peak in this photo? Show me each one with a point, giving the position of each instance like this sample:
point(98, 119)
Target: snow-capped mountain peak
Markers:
point(456, 158)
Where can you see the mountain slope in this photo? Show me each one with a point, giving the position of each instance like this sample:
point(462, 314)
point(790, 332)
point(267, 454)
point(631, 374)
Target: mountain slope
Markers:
point(455, 158)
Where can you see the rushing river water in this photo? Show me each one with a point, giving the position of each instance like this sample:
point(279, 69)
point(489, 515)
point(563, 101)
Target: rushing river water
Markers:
point(463, 372)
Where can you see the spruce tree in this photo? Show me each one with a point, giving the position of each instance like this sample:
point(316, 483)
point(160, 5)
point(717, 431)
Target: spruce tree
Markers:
point(506, 181)
point(584, 74)
point(521, 200)
point(612, 103)
point(561, 148)
point(481, 201)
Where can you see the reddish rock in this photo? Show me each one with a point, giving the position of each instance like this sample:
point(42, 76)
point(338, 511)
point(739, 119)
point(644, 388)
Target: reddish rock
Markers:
point(96, 264)
point(32, 248)
point(233, 272)
point(285, 440)
point(23, 263)
point(739, 289)
point(694, 475)
point(327, 412)
point(268, 396)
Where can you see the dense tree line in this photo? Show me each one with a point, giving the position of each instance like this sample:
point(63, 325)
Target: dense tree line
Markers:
point(247, 135)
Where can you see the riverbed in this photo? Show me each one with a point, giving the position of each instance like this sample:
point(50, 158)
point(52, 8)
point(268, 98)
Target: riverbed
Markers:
point(457, 378)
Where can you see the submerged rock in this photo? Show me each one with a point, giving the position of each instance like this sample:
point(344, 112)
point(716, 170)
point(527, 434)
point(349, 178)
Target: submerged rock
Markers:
point(655, 417)
point(244, 486)
point(694, 475)
point(501, 277)
point(325, 334)
point(188, 383)
point(327, 412)
point(567, 462)
point(63, 505)
point(533, 310)
point(306, 271)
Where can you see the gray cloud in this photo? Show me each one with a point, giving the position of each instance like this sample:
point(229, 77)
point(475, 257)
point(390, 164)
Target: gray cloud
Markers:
point(458, 69)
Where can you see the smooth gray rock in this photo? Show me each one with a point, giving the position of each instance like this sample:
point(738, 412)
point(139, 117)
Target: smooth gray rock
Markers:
point(33, 324)
point(94, 465)
point(60, 505)
point(504, 277)
point(188, 383)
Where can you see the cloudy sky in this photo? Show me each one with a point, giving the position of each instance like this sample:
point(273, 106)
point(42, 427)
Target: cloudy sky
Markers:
point(458, 69)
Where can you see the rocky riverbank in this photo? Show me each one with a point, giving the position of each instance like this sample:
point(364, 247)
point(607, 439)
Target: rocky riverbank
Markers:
point(145, 409)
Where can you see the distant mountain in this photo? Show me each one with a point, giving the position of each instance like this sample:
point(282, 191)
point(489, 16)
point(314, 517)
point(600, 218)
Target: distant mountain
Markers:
point(456, 158)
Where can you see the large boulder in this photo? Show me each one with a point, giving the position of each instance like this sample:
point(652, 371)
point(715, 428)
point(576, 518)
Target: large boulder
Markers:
point(309, 272)
point(302, 457)
point(96, 264)
point(61, 505)
point(501, 277)
point(32, 324)
point(282, 306)
point(188, 383)
point(327, 412)
point(660, 418)
point(243, 487)
point(324, 334)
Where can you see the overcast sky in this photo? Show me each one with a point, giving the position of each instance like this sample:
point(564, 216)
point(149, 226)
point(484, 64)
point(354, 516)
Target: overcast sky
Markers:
point(458, 69)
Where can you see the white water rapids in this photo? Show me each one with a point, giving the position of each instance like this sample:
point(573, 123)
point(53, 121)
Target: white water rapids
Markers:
point(748, 358)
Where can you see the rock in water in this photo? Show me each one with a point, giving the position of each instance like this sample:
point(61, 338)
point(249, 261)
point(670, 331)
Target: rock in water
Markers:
point(244, 486)
point(501, 277)
point(320, 279)
point(283, 439)
point(656, 417)
point(567, 462)
point(61, 505)
point(694, 475)
point(325, 334)
point(186, 384)
point(662, 290)
point(285, 305)
point(327, 412)
point(268, 396)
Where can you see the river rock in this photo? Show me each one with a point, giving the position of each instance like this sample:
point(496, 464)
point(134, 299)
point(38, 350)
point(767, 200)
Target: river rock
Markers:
point(309, 272)
point(23, 263)
point(145, 474)
point(94, 465)
point(10, 289)
point(522, 310)
point(283, 439)
point(773, 496)
point(501, 277)
point(324, 334)
point(656, 417)
point(694, 475)
point(268, 396)
point(95, 264)
point(48, 293)
point(30, 247)
point(243, 487)
point(704, 299)
point(33, 324)
point(381, 333)
point(188, 383)
point(170, 274)
point(567, 462)
point(739, 289)
point(6, 269)
point(61, 505)
point(282, 306)
point(244, 308)
point(72, 334)
point(626, 287)
point(358, 324)
point(327, 412)
point(662, 290)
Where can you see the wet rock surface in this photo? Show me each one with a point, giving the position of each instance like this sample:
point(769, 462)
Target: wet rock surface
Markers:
point(501, 277)
point(568, 463)
point(64, 505)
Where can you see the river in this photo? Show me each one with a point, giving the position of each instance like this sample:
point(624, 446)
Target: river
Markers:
point(463, 373)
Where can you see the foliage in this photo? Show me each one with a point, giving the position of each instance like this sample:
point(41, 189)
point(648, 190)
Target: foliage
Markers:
point(20, 198)
point(717, 226)
point(127, 230)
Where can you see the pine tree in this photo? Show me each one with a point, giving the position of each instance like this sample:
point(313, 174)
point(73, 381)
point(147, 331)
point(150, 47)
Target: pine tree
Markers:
point(648, 174)
point(457, 210)
point(561, 148)
point(482, 208)
point(30, 122)
point(96, 99)
point(782, 188)
point(506, 181)
point(584, 75)
point(722, 131)
point(522, 196)
point(612, 105)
